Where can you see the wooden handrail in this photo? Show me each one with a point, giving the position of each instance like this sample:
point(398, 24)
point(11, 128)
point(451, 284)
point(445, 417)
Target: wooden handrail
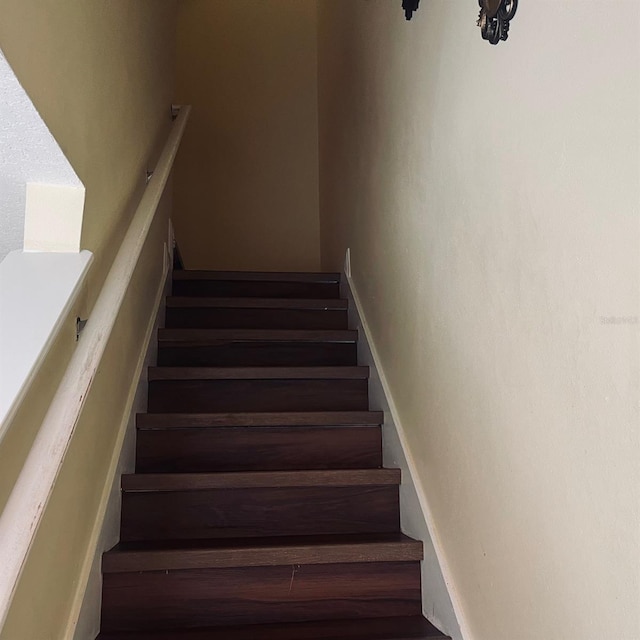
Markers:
point(23, 513)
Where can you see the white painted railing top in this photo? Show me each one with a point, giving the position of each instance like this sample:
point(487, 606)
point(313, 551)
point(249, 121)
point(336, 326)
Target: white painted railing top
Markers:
point(21, 517)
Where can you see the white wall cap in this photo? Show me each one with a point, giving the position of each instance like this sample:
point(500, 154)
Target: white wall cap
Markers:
point(36, 292)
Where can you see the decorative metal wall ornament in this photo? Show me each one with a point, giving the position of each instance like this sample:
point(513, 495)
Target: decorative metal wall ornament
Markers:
point(409, 7)
point(494, 18)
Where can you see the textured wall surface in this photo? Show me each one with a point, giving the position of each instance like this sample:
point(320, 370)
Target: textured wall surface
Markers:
point(490, 197)
point(247, 175)
point(28, 153)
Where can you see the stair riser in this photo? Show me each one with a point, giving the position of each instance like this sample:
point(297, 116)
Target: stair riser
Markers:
point(199, 318)
point(254, 595)
point(202, 396)
point(258, 354)
point(259, 448)
point(228, 513)
point(239, 289)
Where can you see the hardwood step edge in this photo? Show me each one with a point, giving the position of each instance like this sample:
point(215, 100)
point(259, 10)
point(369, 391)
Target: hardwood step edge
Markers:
point(165, 482)
point(259, 419)
point(275, 304)
point(305, 277)
point(126, 561)
point(258, 373)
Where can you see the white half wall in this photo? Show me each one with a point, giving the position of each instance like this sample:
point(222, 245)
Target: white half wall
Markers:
point(37, 290)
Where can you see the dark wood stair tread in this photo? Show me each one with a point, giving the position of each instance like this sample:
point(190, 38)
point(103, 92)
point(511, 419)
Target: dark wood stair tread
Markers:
point(257, 373)
point(258, 479)
point(259, 419)
point(205, 336)
point(257, 276)
point(192, 302)
point(397, 628)
point(260, 552)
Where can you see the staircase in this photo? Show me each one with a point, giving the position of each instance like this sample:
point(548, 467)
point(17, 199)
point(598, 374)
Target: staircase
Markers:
point(259, 508)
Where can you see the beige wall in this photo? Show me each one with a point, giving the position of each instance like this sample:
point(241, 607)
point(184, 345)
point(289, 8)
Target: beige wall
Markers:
point(247, 176)
point(101, 74)
point(490, 198)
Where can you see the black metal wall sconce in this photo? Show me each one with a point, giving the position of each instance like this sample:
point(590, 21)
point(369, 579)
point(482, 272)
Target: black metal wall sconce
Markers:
point(409, 7)
point(494, 19)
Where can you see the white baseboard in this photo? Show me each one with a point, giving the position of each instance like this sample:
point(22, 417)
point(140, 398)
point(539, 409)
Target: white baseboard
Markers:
point(440, 603)
point(84, 618)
